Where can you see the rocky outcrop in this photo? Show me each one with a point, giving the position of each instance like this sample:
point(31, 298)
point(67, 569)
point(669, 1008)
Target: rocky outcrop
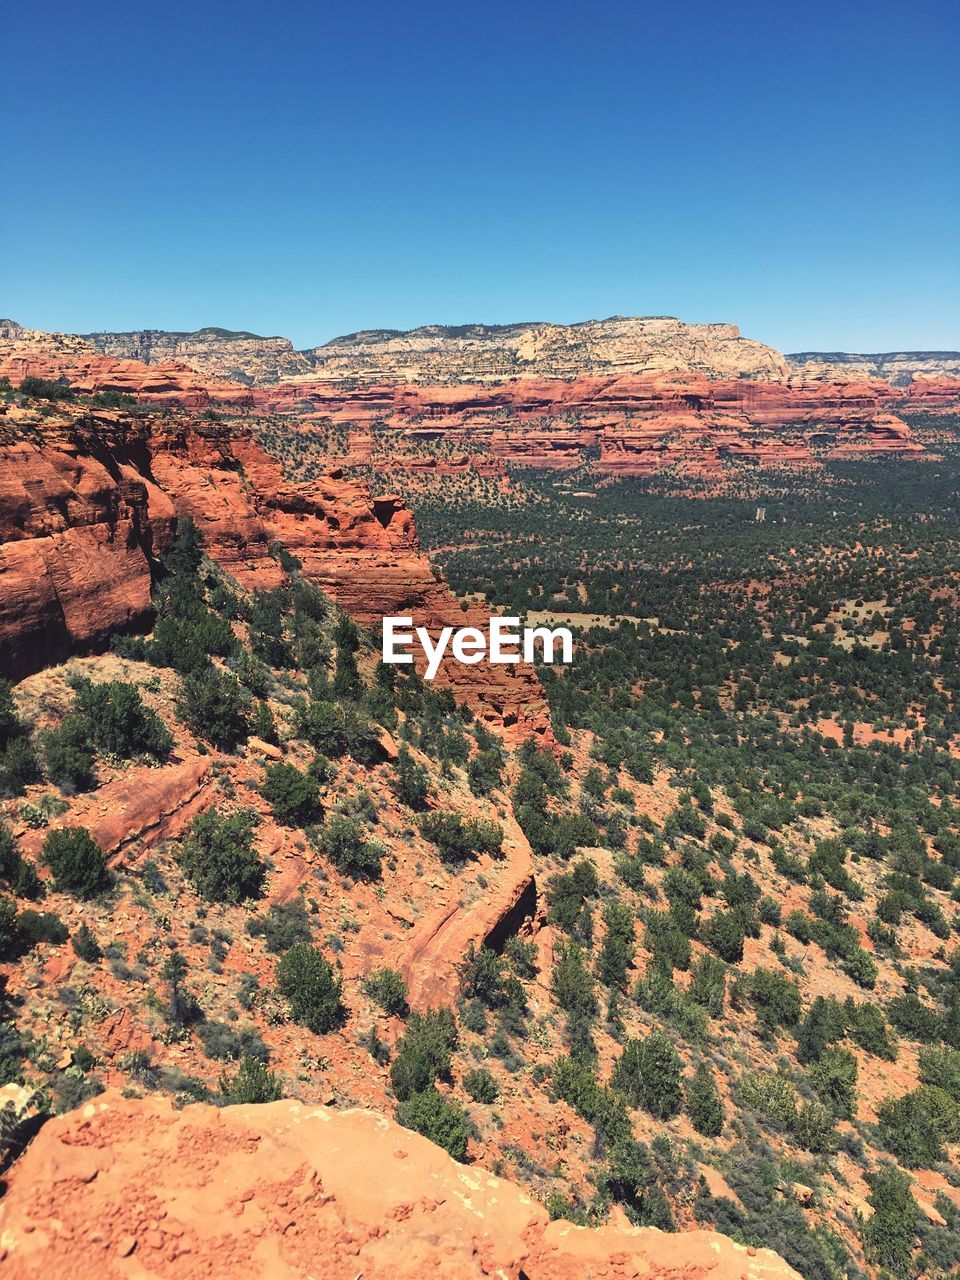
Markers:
point(131, 1187)
point(481, 911)
point(899, 368)
point(218, 354)
point(80, 518)
point(132, 813)
point(26, 353)
point(495, 353)
point(630, 425)
point(86, 506)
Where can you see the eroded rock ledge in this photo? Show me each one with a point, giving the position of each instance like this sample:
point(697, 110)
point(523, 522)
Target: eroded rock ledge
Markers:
point(130, 1187)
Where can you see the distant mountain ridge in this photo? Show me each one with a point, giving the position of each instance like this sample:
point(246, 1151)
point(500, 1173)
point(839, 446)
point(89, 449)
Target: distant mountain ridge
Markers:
point(487, 354)
point(449, 354)
point(896, 367)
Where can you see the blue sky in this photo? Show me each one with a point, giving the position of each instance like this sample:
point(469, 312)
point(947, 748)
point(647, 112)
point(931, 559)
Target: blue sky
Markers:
point(311, 169)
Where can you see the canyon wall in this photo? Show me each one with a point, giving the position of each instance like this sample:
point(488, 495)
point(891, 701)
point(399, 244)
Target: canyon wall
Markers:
point(87, 502)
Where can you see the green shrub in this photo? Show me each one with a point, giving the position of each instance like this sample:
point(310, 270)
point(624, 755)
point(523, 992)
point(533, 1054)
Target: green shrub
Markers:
point(834, 1076)
point(41, 926)
point(85, 944)
point(481, 1086)
point(77, 862)
point(284, 924)
point(18, 767)
point(293, 796)
point(458, 839)
point(775, 998)
point(19, 874)
point(704, 1103)
point(889, 1232)
point(771, 1095)
point(307, 981)
point(424, 1052)
point(813, 1128)
point(444, 1123)
point(388, 989)
point(343, 841)
point(915, 1126)
point(573, 983)
point(218, 858)
point(67, 756)
point(251, 1082)
point(214, 707)
point(869, 1030)
point(724, 934)
point(940, 1066)
point(616, 954)
point(117, 722)
point(411, 784)
point(648, 1075)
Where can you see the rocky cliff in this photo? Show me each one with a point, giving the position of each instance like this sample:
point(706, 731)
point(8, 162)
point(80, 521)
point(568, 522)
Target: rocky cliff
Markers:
point(28, 353)
point(439, 354)
point(637, 425)
point(219, 354)
point(88, 502)
point(899, 368)
point(494, 353)
point(131, 1187)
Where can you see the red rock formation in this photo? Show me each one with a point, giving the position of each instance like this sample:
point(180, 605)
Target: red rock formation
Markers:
point(141, 807)
point(31, 353)
point(640, 424)
point(432, 956)
point(131, 1187)
point(83, 509)
point(78, 520)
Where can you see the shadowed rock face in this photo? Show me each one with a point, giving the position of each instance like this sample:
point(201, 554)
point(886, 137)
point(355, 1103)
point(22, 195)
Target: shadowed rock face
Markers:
point(131, 1187)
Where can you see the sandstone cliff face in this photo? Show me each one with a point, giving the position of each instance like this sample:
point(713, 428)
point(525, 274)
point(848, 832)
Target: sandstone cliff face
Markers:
point(130, 1187)
point(639, 425)
point(85, 507)
point(899, 368)
point(79, 520)
point(31, 353)
point(218, 354)
point(481, 353)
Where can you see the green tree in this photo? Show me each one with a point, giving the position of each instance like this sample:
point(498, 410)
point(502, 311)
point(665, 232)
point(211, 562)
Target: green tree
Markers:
point(343, 841)
point(77, 861)
point(293, 796)
point(214, 707)
point(424, 1052)
point(723, 933)
point(307, 981)
point(251, 1082)
point(889, 1233)
point(915, 1126)
point(648, 1075)
point(118, 723)
point(481, 1086)
point(218, 857)
point(388, 989)
point(834, 1076)
point(704, 1103)
point(444, 1122)
point(411, 784)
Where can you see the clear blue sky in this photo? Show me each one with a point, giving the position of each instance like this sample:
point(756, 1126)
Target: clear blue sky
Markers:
point(312, 169)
